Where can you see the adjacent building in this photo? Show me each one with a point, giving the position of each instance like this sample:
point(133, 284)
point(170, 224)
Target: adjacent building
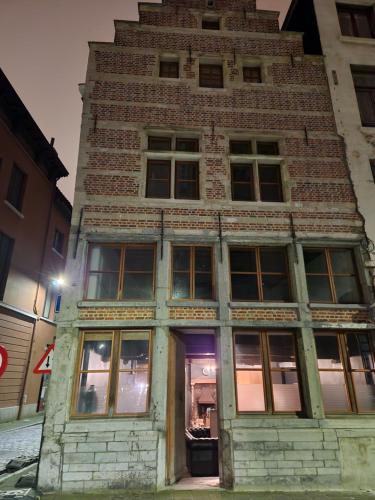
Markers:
point(218, 319)
point(34, 228)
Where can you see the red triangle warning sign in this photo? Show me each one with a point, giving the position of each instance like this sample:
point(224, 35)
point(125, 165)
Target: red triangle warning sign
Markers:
point(44, 366)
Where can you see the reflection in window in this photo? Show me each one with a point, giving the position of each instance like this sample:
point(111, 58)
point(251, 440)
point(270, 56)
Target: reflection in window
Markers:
point(96, 394)
point(266, 372)
point(346, 368)
point(192, 273)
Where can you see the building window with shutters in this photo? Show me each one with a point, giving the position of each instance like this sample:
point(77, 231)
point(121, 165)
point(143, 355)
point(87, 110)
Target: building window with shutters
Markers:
point(192, 273)
point(120, 272)
point(347, 371)
point(266, 372)
point(175, 173)
point(16, 188)
point(113, 375)
point(364, 83)
point(356, 21)
point(6, 251)
point(211, 76)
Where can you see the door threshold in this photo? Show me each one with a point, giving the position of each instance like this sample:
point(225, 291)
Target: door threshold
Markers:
point(197, 483)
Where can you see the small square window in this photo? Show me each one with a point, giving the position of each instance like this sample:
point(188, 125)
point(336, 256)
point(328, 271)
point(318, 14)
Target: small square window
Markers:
point(240, 147)
point(372, 164)
point(252, 74)
point(211, 76)
point(169, 69)
point(187, 144)
point(159, 143)
point(16, 189)
point(58, 241)
point(210, 24)
point(267, 148)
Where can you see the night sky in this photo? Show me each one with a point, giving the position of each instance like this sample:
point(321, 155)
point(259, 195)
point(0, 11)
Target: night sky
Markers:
point(43, 52)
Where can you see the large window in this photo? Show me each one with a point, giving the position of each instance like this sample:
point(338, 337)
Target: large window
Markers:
point(16, 188)
point(120, 272)
point(192, 273)
point(211, 75)
point(266, 372)
point(332, 276)
point(254, 176)
point(114, 374)
point(347, 371)
point(356, 21)
point(364, 82)
point(6, 250)
point(175, 176)
point(259, 274)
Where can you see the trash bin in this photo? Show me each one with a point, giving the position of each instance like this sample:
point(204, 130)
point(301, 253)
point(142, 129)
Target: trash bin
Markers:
point(203, 457)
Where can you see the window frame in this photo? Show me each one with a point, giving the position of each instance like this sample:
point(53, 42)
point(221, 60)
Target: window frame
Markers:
point(113, 374)
point(21, 192)
point(365, 90)
point(6, 263)
point(352, 10)
point(192, 273)
point(58, 237)
point(248, 68)
point(121, 271)
point(269, 400)
point(258, 273)
point(165, 64)
point(178, 181)
point(203, 80)
point(347, 370)
point(251, 183)
point(152, 162)
point(331, 275)
point(208, 21)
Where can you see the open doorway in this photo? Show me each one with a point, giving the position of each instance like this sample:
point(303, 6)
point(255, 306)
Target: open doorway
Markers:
point(193, 442)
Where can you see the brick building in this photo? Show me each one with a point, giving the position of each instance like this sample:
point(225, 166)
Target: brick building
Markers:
point(34, 228)
point(216, 272)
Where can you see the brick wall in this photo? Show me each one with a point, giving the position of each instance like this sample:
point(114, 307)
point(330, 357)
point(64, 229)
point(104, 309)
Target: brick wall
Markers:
point(341, 315)
point(264, 314)
point(193, 313)
point(116, 313)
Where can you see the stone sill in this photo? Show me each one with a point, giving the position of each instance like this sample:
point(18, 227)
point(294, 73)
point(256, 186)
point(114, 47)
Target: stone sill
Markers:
point(363, 307)
point(117, 303)
point(263, 305)
point(192, 303)
point(357, 40)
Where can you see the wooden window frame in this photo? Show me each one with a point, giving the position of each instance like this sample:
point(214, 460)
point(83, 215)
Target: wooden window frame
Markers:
point(204, 79)
point(267, 371)
point(151, 163)
point(331, 275)
point(21, 191)
point(352, 10)
point(192, 273)
point(258, 273)
point(121, 272)
point(278, 184)
point(151, 138)
point(347, 370)
point(250, 166)
point(169, 69)
point(113, 372)
point(249, 71)
point(177, 180)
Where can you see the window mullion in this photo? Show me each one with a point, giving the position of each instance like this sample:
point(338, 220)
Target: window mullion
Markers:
point(113, 374)
point(267, 373)
point(255, 167)
point(259, 274)
point(330, 276)
point(192, 272)
point(121, 274)
point(344, 353)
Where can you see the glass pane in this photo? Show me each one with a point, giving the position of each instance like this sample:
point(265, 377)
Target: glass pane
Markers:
point(186, 171)
point(104, 259)
point(243, 192)
point(132, 392)
point(252, 75)
point(362, 21)
point(138, 286)
point(181, 285)
point(359, 351)
point(268, 148)
point(92, 393)
point(102, 286)
point(191, 145)
point(315, 261)
point(269, 173)
point(285, 387)
point(319, 289)
point(158, 189)
point(244, 287)
point(335, 397)
point(240, 147)
point(364, 384)
point(270, 192)
point(282, 350)
point(273, 261)
point(342, 262)
point(328, 353)
point(181, 259)
point(346, 24)
point(275, 287)
point(159, 170)
point(160, 143)
point(247, 349)
point(139, 259)
point(242, 173)
point(250, 392)
point(203, 259)
point(96, 354)
point(366, 106)
point(186, 191)
point(242, 260)
point(134, 353)
point(203, 286)
point(347, 290)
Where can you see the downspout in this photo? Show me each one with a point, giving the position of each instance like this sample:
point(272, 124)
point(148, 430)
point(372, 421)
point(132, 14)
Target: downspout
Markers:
point(35, 309)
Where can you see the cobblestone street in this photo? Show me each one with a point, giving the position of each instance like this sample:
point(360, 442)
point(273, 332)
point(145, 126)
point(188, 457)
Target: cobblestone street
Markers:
point(19, 440)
